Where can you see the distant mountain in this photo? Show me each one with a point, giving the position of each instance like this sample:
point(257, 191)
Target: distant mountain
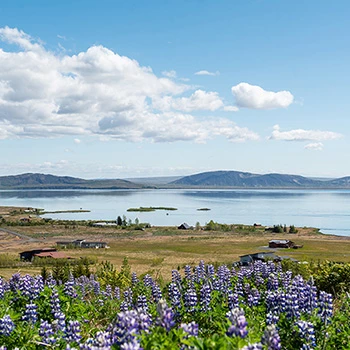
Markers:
point(249, 180)
point(154, 181)
point(37, 181)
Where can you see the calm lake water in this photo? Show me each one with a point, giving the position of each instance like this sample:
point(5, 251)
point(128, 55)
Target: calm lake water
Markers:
point(328, 210)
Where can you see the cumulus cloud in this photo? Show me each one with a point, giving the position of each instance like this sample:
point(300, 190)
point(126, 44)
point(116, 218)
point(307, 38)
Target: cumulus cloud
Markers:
point(199, 101)
point(99, 92)
point(205, 72)
point(170, 74)
point(77, 141)
point(303, 135)
point(315, 146)
point(231, 109)
point(255, 97)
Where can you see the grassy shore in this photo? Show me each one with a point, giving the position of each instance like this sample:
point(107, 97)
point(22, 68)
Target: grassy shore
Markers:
point(160, 249)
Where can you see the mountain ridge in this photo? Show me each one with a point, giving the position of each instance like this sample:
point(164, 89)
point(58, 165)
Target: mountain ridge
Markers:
point(210, 179)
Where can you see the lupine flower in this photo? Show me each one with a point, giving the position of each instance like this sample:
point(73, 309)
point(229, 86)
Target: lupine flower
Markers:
point(166, 315)
point(190, 328)
point(188, 273)
point(142, 303)
point(128, 325)
point(271, 338)
point(256, 346)
point(238, 323)
point(46, 333)
point(134, 279)
point(205, 299)
point(233, 301)
point(174, 295)
point(6, 325)
point(307, 333)
point(117, 293)
point(30, 314)
point(73, 331)
point(325, 306)
point(190, 299)
point(69, 289)
point(156, 292)
point(131, 345)
point(175, 277)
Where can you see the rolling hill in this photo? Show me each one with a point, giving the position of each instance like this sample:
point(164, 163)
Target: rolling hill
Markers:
point(42, 181)
point(249, 180)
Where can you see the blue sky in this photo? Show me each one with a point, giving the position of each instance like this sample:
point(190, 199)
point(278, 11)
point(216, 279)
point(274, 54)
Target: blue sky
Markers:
point(107, 89)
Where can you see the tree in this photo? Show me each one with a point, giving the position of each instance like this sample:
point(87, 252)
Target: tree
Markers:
point(137, 221)
point(119, 221)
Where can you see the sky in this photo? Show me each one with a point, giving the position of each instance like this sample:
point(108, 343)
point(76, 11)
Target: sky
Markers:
point(122, 89)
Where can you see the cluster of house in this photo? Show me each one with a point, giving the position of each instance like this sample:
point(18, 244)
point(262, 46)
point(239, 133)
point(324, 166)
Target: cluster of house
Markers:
point(29, 255)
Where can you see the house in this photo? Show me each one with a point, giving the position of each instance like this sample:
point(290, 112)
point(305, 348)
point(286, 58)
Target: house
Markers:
point(263, 256)
point(29, 254)
point(185, 226)
point(281, 243)
point(53, 255)
point(81, 243)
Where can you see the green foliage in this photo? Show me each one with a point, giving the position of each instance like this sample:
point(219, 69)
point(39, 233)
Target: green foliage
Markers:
point(292, 229)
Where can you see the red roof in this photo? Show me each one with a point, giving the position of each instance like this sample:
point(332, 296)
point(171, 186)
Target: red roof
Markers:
point(54, 255)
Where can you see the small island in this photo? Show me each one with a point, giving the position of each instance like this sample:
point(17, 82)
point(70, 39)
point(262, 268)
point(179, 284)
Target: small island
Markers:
point(203, 209)
point(147, 209)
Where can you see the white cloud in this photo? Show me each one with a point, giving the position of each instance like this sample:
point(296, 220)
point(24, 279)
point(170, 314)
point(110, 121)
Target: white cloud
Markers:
point(77, 141)
point(170, 74)
point(303, 135)
point(255, 97)
point(231, 109)
point(199, 101)
point(316, 146)
point(205, 72)
point(98, 92)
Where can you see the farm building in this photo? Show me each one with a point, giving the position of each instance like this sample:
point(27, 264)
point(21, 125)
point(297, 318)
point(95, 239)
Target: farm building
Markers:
point(281, 243)
point(29, 254)
point(81, 243)
point(263, 256)
point(53, 255)
point(185, 226)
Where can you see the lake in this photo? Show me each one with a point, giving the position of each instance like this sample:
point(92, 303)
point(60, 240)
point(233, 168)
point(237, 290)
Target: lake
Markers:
point(328, 210)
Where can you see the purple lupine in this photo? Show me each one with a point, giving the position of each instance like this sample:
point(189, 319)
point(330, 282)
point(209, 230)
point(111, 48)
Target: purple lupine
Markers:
point(307, 333)
point(256, 346)
point(205, 297)
point(272, 318)
point(272, 282)
point(233, 300)
point(134, 279)
point(69, 289)
point(325, 306)
point(188, 273)
point(14, 281)
point(147, 280)
point(166, 315)
point(131, 345)
point(190, 300)
point(239, 323)
point(156, 292)
point(46, 333)
point(190, 328)
point(292, 305)
point(6, 325)
point(174, 295)
point(128, 298)
point(128, 325)
point(210, 272)
point(108, 291)
point(254, 297)
point(175, 277)
point(50, 281)
point(59, 321)
point(72, 332)
point(117, 293)
point(142, 303)
point(101, 341)
point(271, 338)
point(30, 314)
point(55, 302)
